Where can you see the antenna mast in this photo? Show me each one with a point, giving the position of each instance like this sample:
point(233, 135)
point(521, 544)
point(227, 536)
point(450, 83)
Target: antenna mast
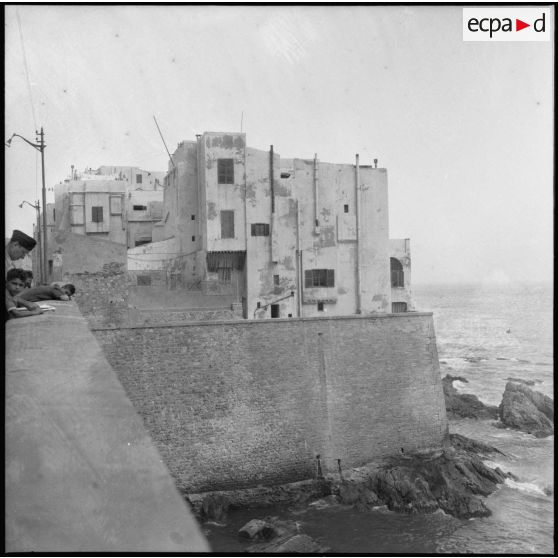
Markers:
point(164, 141)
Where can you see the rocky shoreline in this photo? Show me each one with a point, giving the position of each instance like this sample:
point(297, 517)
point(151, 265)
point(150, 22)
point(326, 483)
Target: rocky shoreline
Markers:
point(453, 480)
point(521, 408)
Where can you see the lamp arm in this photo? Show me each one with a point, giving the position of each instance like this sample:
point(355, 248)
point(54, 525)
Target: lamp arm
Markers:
point(37, 146)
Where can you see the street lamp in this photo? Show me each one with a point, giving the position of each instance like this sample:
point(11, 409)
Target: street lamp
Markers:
point(39, 146)
point(37, 207)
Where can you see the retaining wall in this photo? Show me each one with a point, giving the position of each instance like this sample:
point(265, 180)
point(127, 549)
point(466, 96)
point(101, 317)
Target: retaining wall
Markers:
point(241, 403)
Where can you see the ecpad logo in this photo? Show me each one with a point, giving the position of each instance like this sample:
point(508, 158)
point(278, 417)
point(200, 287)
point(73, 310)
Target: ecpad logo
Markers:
point(506, 24)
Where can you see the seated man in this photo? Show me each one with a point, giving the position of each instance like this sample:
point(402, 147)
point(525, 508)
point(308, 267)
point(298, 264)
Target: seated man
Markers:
point(48, 292)
point(15, 307)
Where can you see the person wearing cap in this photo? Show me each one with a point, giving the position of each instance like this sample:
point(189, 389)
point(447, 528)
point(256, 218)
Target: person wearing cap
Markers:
point(18, 247)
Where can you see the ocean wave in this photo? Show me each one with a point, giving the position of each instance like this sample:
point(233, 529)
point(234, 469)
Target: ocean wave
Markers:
point(528, 487)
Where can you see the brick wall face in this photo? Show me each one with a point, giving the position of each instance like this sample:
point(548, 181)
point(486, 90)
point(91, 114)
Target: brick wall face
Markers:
point(238, 404)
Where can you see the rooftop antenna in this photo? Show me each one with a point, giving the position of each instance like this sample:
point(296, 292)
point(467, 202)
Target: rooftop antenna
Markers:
point(164, 141)
point(241, 120)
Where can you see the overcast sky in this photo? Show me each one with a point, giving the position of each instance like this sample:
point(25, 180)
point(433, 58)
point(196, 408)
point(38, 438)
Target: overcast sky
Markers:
point(464, 128)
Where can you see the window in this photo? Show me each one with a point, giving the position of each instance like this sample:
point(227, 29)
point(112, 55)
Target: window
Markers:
point(193, 217)
point(140, 207)
point(319, 278)
point(320, 306)
point(260, 229)
point(225, 171)
point(276, 280)
point(227, 224)
point(115, 205)
point(397, 307)
point(144, 280)
point(97, 214)
point(139, 178)
point(193, 239)
point(346, 208)
point(275, 310)
point(397, 275)
point(285, 175)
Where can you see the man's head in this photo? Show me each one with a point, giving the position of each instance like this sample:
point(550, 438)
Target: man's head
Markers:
point(69, 289)
point(20, 245)
point(15, 281)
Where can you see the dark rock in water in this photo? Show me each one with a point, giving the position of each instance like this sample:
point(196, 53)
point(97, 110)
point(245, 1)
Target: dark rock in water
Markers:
point(258, 529)
point(358, 494)
point(471, 446)
point(527, 410)
point(294, 544)
point(520, 381)
point(464, 405)
point(453, 480)
point(283, 536)
point(214, 507)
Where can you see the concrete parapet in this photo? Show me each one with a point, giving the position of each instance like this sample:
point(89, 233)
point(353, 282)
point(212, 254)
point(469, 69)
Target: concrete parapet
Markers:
point(82, 474)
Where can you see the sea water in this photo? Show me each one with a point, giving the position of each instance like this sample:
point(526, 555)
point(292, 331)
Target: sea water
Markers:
point(485, 334)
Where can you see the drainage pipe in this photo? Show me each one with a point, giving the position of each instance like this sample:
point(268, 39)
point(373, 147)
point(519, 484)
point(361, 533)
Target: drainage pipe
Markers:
point(357, 203)
point(316, 220)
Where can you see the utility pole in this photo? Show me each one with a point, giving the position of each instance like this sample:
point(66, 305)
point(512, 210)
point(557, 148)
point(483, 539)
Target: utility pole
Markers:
point(37, 207)
point(39, 146)
point(45, 253)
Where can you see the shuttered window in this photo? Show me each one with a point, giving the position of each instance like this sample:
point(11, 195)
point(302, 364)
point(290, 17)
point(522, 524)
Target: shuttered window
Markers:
point(97, 214)
point(227, 224)
point(260, 229)
point(319, 278)
point(225, 171)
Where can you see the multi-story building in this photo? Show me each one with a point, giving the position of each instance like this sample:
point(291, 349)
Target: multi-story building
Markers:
point(120, 204)
point(286, 237)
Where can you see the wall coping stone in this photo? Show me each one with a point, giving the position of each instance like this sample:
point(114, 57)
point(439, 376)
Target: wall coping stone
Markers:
point(197, 323)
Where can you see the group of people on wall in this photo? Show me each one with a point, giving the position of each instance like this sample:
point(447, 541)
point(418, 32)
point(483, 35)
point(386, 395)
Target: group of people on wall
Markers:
point(21, 296)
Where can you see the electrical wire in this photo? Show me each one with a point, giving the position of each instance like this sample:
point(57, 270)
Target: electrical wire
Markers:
point(26, 69)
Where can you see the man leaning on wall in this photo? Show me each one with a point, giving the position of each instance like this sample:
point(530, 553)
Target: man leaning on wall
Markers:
point(18, 247)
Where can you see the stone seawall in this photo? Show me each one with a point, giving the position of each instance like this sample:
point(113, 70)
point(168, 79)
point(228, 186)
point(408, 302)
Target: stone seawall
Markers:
point(242, 403)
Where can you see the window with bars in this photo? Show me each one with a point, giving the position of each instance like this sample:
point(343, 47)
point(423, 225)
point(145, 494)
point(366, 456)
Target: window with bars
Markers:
point(260, 229)
point(319, 278)
point(225, 171)
point(97, 214)
point(227, 224)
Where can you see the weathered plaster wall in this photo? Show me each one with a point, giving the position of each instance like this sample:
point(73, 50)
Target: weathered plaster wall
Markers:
point(243, 403)
point(311, 210)
point(224, 196)
point(400, 249)
point(75, 253)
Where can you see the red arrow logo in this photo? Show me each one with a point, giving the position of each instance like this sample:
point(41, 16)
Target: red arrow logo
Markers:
point(519, 25)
